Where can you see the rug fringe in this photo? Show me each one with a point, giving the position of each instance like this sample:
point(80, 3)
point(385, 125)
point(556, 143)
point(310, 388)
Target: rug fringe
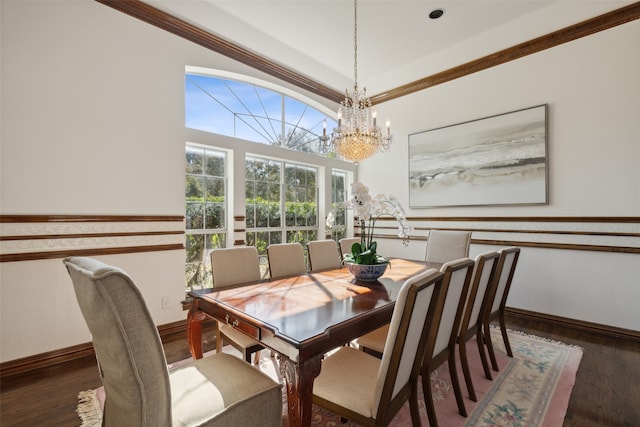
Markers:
point(89, 409)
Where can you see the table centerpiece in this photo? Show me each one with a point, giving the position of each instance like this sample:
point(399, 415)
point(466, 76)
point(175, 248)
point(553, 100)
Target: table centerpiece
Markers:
point(363, 261)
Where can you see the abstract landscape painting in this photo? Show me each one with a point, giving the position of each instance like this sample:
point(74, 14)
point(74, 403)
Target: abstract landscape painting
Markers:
point(498, 160)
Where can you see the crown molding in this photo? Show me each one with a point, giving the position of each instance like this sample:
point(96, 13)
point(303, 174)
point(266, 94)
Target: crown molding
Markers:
point(181, 28)
point(585, 28)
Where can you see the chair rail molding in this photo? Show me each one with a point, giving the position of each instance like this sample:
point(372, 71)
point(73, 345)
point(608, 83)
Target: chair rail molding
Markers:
point(33, 237)
point(602, 234)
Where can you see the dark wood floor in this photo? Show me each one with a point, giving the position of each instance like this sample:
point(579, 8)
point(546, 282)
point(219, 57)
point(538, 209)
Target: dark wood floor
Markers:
point(606, 393)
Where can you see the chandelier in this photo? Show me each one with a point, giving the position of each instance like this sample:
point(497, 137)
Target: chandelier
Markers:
point(357, 136)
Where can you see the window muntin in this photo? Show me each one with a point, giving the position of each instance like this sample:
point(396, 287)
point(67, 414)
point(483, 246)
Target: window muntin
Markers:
point(205, 212)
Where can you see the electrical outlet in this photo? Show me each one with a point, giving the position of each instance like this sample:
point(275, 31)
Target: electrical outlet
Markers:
point(165, 302)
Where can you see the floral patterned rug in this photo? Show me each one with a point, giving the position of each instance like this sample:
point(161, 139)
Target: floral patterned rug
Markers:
point(531, 389)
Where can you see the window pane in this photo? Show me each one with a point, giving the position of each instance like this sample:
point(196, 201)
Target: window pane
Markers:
point(301, 176)
point(214, 216)
point(262, 215)
point(274, 171)
point(275, 237)
point(215, 163)
point(215, 241)
point(262, 241)
point(194, 216)
point(262, 190)
point(195, 188)
point(290, 175)
point(274, 215)
point(194, 247)
point(274, 193)
point(215, 189)
point(250, 215)
point(195, 159)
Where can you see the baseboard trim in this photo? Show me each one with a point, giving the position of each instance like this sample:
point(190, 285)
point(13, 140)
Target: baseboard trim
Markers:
point(593, 328)
point(67, 354)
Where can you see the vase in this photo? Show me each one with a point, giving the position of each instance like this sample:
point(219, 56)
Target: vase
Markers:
point(365, 272)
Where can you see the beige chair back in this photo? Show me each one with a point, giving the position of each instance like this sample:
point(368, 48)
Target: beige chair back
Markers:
point(482, 276)
point(412, 332)
point(447, 245)
point(232, 266)
point(346, 243)
point(458, 275)
point(504, 276)
point(286, 259)
point(126, 342)
point(323, 254)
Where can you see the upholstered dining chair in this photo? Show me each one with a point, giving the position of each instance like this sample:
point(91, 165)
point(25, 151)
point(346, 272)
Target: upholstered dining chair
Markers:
point(498, 295)
point(218, 390)
point(286, 259)
point(475, 307)
point(370, 391)
point(447, 245)
point(345, 245)
point(323, 254)
point(233, 266)
point(457, 276)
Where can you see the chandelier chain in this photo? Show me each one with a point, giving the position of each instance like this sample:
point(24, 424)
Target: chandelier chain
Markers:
point(355, 42)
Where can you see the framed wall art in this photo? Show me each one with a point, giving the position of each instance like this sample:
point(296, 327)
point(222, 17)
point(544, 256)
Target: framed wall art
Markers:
point(497, 160)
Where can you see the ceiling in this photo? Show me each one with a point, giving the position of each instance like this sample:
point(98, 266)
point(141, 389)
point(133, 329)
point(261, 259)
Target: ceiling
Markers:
point(397, 41)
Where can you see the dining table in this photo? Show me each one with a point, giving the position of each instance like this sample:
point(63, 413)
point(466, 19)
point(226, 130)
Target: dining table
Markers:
point(301, 318)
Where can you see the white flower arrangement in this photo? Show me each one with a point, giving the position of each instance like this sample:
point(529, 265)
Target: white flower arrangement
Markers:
point(366, 210)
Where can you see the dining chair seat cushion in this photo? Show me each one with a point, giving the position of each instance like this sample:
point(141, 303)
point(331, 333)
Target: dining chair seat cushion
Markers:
point(374, 340)
point(360, 368)
point(242, 340)
point(219, 390)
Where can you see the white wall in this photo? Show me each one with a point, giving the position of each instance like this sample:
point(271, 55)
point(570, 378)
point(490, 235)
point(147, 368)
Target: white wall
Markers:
point(92, 124)
point(592, 87)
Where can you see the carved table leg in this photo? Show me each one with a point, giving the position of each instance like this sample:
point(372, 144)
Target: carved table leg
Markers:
point(194, 331)
point(299, 379)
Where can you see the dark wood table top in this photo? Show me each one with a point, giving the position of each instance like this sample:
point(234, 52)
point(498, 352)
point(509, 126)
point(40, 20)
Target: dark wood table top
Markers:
point(301, 309)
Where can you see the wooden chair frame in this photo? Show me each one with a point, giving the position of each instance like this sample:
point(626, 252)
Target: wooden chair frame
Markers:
point(500, 292)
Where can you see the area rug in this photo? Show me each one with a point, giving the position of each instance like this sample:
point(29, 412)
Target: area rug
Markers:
point(531, 389)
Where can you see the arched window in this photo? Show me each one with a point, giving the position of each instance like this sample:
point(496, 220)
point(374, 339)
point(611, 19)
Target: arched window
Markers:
point(247, 108)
